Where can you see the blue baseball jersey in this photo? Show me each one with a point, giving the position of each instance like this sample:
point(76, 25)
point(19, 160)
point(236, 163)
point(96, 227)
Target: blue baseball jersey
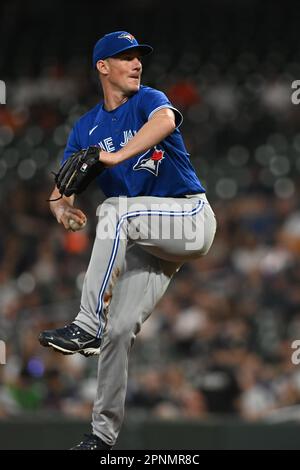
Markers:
point(164, 170)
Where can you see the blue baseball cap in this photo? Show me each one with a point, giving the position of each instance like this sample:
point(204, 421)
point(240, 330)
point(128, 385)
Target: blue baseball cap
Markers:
point(113, 43)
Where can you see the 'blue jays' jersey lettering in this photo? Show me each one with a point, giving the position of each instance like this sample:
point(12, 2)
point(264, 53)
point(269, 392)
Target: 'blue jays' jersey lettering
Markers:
point(164, 171)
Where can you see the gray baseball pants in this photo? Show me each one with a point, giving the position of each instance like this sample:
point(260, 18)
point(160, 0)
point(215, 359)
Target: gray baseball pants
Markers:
point(140, 243)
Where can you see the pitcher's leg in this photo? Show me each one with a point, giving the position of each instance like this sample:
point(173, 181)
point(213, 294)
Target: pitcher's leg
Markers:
point(174, 229)
point(139, 288)
point(105, 267)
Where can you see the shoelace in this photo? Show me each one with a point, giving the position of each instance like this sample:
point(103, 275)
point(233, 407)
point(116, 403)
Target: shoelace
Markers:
point(74, 330)
point(89, 441)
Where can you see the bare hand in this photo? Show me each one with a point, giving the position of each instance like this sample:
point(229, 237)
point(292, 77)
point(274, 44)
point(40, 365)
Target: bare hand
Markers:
point(64, 212)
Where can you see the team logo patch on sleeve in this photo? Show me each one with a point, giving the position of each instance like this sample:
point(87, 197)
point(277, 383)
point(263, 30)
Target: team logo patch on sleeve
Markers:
point(151, 163)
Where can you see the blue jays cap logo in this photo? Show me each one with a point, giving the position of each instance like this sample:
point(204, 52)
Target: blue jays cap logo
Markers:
point(128, 36)
point(110, 45)
point(151, 163)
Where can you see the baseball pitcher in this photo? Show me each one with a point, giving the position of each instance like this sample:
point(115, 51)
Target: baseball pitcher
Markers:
point(155, 217)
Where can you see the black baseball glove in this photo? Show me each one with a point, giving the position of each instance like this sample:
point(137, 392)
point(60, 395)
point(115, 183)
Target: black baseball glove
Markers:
point(78, 171)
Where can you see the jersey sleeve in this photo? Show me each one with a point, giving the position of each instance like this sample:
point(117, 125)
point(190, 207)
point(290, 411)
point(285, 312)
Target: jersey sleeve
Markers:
point(73, 144)
point(153, 100)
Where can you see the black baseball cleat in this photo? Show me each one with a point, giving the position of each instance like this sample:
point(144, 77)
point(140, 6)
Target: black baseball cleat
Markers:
point(70, 339)
point(92, 442)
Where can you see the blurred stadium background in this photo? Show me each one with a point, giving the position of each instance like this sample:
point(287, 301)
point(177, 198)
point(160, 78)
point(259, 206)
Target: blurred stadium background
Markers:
point(212, 367)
